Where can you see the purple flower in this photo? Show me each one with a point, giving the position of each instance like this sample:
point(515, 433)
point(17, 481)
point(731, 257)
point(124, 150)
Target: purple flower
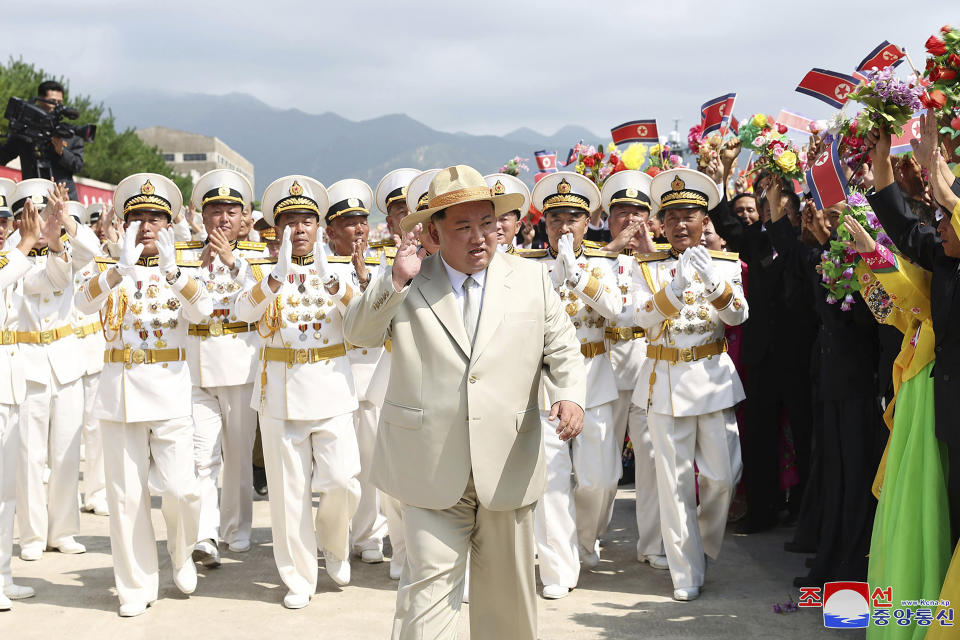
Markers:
point(848, 273)
point(884, 239)
point(831, 299)
point(825, 278)
point(845, 307)
point(856, 199)
point(777, 608)
point(849, 299)
point(872, 220)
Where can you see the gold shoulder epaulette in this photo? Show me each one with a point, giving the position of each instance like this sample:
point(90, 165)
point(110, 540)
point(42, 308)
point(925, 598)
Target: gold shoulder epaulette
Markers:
point(103, 262)
point(270, 260)
point(653, 257)
point(188, 244)
point(65, 237)
point(531, 253)
point(590, 252)
point(188, 263)
point(724, 255)
point(339, 259)
point(591, 244)
point(382, 243)
point(250, 245)
point(372, 260)
point(661, 246)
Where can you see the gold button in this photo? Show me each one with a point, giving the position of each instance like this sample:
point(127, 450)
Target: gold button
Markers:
point(164, 365)
point(473, 379)
point(46, 299)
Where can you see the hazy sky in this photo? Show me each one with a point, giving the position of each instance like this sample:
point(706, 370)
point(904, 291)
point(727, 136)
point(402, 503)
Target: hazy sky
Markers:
point(480, 67)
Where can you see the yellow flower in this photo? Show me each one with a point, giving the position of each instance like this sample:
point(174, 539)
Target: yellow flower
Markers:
point(760, 120)
point(581, 168)
point(634, 155)
point(655, 149)
point(611, 148)
point(787, 161)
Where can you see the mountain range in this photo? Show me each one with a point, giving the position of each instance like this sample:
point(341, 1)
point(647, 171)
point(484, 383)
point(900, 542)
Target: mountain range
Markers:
point(327, 146)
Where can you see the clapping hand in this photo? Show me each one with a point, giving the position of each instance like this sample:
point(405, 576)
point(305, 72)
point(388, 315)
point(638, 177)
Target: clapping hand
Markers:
point(699, 259)
point(166, 252)
point(327, 277)
point(681, 279)
point(130, 252)
point(284, 258)
point(29, 227)
point(217, 245)
point(862, 241)
point(359, 264)
point(565, 255)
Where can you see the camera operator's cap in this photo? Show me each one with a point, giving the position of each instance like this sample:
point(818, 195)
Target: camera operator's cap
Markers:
point(349, 197)
point(566, 189)
point(393, 187)
point(504, 183)
point(626, 187)
point(417, 191)
point(36, 189)
point(683, 189)
point(76, 210)
point(147, 192)
point(94, 211)
point(455, 185)
point(222, 186)
point(7, 188)
point(294, 194)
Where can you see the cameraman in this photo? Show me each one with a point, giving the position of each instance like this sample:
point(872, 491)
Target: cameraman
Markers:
point(64, 156)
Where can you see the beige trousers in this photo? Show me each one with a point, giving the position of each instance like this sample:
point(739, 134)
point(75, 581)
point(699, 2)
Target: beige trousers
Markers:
point(140, 457)
point(369, 525)
point(502, 583)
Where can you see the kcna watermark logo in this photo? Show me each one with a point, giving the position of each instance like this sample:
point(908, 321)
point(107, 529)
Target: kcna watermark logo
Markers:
point(851, 605)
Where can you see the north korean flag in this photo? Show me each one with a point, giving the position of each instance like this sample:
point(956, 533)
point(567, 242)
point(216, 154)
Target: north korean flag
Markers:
point(715, 114)
point(885, 55)
point(794, 121)
point(636, 131)
point(828, 185)
point(830, 86)
point(911, 131)
point(547, 162)
point(571, 155)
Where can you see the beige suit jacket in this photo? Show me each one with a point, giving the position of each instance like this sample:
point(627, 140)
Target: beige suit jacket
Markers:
point(451, 409)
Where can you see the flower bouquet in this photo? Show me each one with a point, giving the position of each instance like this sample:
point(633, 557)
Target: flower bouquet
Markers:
point(943, 74)
point(661, 159)
point(514, 166)
point(776, 152)
point(595, 164)
point(888, 101)
point(695, 138)
point(838, 262)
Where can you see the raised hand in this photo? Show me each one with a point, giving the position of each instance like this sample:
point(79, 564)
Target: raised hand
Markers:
point(327, 277)
point(924, 148)
point(50, 228)
point(699, 259)
point(566, 255)
point(166, 252)
point(681, 279)
point(406, 265)
point(284, 257)
point(29, 227)
point(217, 245)
point(130, 252)
point(359, 264)
point(729, 152)
point(862, 241)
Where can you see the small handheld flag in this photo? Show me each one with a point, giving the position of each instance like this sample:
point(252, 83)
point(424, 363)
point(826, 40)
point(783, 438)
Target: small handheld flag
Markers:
point(715, 114)
point(828, 185)
point(830, 86)
point(911, 131)
point(546, 161)
point(794, 121)
point(885, 55)
point(636, 131)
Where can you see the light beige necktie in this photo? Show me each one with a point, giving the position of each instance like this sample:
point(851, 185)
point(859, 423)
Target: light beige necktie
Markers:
point(471, 306)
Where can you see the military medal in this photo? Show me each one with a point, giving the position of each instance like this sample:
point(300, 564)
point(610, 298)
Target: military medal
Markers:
point(316, 328)
point(173, 304)
point(137, 294)
point(571, 308)
point(301, 288)
point(172, 323)
point(688, 297)
point(143, 338)
point(154, 307)
point(160, 343)
point(303, 332)
point(210, 285)
point(153, 291)
point(702, 313)
point(293, 317)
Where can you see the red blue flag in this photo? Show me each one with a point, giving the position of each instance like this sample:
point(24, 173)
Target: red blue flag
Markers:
point(830, 86)
point(794, 121)
point(715, 114)
point(546, 161)
point(911, 131)
point(885, 55)
point(826, 179)
point(636, 131)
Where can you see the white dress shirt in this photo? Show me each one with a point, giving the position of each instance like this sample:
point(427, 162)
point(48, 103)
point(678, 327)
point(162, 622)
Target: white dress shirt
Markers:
point(457, 279)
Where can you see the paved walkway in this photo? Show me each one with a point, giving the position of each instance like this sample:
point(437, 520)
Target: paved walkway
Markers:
point(621, 599)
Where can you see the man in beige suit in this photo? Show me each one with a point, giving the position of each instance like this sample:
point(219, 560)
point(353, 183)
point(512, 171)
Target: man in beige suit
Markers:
point(459, 445)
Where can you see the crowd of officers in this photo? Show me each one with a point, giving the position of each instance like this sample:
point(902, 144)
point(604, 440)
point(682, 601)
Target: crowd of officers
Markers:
point(163, 347)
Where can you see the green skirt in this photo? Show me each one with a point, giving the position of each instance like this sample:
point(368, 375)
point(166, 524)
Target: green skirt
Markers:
point(910, 547)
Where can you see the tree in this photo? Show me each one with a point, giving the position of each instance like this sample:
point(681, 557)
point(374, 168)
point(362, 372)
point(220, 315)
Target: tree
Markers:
point(113, 155)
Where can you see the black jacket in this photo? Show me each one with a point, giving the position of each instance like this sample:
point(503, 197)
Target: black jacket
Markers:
point(63, 167)
point(922, 245)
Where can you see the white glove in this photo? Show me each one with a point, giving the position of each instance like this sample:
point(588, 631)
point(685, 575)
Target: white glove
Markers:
point(565, 254)
point(681, 279)
point(166, 252)
point(284, 258)
point(701, 261)
point(558, 275)
point(129, 252)
point(327, 278)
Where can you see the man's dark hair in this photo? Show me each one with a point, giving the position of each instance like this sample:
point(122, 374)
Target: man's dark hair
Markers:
point(438, 216)
point(47, 86)
point(793, 202)
point(741, 195)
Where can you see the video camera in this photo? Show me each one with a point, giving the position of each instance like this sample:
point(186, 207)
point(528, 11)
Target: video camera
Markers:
point(32, 124)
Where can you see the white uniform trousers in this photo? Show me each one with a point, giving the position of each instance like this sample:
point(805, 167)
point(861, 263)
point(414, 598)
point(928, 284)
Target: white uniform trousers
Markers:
point(712, 440)
point(626, 415)
point(572, 511)
point(94, 485)
point(140, 457)
point(369, 526)
point(225, 428)
point(50, 419)
point(9, 456)
point(296, 451)
point(393, 510)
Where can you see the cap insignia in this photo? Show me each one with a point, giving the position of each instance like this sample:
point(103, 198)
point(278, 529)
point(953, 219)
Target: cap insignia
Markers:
point(632, 193)
point(296, 189)
point(677, 184)
point(563, 187)
point(224, 191)
point(499, 189)
point(353, 202)
point(147, 189)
